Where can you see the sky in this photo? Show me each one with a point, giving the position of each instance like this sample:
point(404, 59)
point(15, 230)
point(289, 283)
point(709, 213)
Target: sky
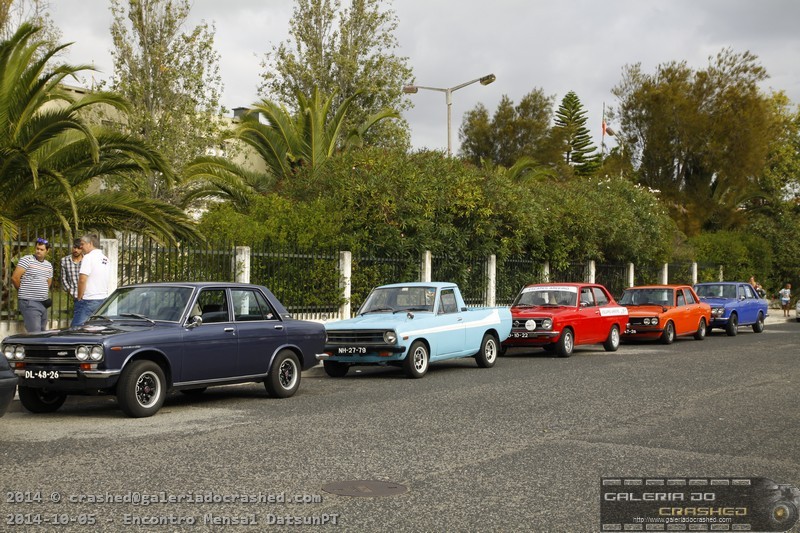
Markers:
point(557, 45)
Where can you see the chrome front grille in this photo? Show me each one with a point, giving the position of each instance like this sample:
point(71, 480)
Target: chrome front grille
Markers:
point(360, 336)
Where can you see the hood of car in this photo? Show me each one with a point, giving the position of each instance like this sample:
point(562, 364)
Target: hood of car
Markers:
point(541, 311)
point(92, 332)
point(717, 301)
point(647, 310)
point(380, 320)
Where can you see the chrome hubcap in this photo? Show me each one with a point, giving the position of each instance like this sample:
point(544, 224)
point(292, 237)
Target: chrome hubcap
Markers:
point(148, 389)
point(287, 373)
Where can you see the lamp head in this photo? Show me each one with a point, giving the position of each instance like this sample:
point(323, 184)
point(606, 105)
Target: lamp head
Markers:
point(489, 78)
point(410, 89)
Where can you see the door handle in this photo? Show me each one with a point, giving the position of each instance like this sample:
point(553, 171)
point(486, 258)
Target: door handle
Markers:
point(228, 330)
point(278, 326)
point(460, 319)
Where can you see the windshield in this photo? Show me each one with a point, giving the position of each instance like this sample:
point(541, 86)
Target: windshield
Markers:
point(155, 303)
point(547, 296)
point(716, 290)
point(647, 297)
point(394, 299)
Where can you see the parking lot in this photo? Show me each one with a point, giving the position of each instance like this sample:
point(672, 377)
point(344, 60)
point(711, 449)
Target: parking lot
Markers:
point(521, 446)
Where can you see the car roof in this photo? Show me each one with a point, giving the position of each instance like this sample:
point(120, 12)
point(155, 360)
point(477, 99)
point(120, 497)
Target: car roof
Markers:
point(437, 284)
point(660, 287)
point(192, 284)
point(565, 284)
point(720, 283)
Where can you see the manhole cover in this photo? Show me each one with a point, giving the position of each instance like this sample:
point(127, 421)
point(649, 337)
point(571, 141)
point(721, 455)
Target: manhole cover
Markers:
point(365, 488)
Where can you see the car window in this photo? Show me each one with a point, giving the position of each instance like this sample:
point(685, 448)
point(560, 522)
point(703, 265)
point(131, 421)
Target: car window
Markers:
point(448, 304)
point(249, 305)
point(742, 292)
point(748, 291)
point(690, 299)
point(213, 305)
point(680, 299)
point(599, 296)
point(586, 297)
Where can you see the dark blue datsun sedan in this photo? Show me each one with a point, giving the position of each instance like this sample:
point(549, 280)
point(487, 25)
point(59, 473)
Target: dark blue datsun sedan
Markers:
point(148, 339)
point(733, 304)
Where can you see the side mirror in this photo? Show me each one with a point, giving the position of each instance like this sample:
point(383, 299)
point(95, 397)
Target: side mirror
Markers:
point(194, 321)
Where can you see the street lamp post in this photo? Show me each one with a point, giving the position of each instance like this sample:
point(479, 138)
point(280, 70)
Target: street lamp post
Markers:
point(448, 92)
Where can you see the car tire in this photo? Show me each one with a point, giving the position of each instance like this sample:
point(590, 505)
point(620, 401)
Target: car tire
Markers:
point(549, 348)
point(566, 343)
point(38, 400)
point(700, 334)
point(612, 342)
point(668, 335)
point(283, 379)
point(335, 369)
point(732, 328)
point(416, 363)
point(487, 355)
point(758, 327)
point(141, 389)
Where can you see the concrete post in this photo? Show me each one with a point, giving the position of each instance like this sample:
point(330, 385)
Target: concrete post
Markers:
point(694, 273)
point(721, 273)
point(546, 272)
point(241, 264)
point(345, 281)
point(426, 267)
point(110, 248)
point(665, 274)
point(491, 281)
point(631, 275)
point(592, 271)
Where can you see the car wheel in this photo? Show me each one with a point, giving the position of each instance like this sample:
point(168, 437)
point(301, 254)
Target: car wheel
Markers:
point(194, 392)
point(141, 389)
point(612, 342)
point(283, 379)
point(415, 365)
point(40, 400)
point(549, 348)
point(487, 355)
point(733, 325)
point(758, 327)
point(668, 335)
point(335, 369)
point(700, 334)
point(566, 343)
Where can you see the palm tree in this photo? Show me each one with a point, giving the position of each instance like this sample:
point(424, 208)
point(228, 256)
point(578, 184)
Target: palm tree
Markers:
point(284, 142)
point(49, 153)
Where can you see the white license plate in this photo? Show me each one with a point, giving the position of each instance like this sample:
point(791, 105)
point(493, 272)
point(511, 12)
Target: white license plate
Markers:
point(41, 374)
point(351, 350)
point(519, 335)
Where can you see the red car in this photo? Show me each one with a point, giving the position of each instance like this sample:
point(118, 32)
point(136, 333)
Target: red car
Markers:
point(559, 316)
point(664, 312)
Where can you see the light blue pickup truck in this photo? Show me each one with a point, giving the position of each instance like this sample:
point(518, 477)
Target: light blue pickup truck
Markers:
point(413, 324)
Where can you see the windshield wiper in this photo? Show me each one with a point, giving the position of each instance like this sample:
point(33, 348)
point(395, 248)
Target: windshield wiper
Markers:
point(137, 315)
point(413, 309)
point(378, 310)
point(99, 317)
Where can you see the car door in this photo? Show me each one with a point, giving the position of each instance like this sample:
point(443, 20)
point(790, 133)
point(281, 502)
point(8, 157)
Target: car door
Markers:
point(682, 314)
point(449, 334)
point(587, 326)
point(211, 350)
point(608, 313)
point(748, 304)
point(260, 330)
point(695, 310)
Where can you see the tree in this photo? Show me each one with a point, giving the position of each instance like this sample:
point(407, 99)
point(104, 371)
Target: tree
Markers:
point(701, 137)
point(350, 53)
point(513, 131)
point(284, 143)
point(171, 79)
point(13, 13)
point(49, 154)
point(570, 130)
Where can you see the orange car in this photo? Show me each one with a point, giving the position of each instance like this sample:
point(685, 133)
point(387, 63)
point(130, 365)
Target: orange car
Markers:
point(664, 312)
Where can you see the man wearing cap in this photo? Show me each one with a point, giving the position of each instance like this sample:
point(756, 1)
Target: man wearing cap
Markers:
point(32, 278)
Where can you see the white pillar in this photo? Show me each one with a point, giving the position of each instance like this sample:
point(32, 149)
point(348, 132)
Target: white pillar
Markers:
point(110, 248)
point(345, 281)
point(665, 274)
point(546, 272)
point(241, 264)
point(491, 281)
point(592, 271)
point(694, 273)
point(425, 269)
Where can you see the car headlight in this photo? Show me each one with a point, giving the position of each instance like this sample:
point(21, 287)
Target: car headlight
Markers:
point(654, 321)
point(646, 321)
point(718, 311)
point(390, 337)
point(530, 325)
point(14, 352)
point(82, 353)
point(547, 323)
point(96, 354)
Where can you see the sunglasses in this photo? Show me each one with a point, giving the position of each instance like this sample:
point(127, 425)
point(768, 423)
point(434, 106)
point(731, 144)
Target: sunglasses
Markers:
point(41, 241)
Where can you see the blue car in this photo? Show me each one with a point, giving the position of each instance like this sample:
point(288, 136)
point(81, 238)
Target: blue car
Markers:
point(145, 340)
point(412, 324)
point(733, 304)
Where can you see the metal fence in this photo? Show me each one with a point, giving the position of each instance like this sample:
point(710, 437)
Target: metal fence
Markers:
point(613, 277)
point(369, 272)
point(469, 273)
point(513, 273)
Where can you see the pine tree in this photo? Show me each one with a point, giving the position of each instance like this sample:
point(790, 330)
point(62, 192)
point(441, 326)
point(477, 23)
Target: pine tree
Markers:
point(570, 128)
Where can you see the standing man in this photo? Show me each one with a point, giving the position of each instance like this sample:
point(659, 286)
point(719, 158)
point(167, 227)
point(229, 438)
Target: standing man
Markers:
point(70, 268)
point(32, 278)
point(92, 279)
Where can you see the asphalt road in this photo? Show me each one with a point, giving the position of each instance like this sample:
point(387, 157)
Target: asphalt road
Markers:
point(518, 447)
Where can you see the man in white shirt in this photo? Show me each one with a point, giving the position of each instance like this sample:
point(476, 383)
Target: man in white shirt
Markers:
point(92, 279)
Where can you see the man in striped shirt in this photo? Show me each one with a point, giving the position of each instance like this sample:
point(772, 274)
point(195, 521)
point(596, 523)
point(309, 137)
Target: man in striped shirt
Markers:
point(32, 278)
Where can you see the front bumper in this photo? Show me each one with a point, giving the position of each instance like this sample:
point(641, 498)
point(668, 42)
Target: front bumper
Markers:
point(362, 353)
point(69, 380)
point(532, 338)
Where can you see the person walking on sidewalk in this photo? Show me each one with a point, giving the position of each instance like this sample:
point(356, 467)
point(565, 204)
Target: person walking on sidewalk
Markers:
point(92, 279)
point(785, 295)
point(32, 278)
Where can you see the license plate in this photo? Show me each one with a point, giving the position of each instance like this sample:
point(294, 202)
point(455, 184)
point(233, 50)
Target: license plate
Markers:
point(519, 335)
point(351, 350)
point(41, 374)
